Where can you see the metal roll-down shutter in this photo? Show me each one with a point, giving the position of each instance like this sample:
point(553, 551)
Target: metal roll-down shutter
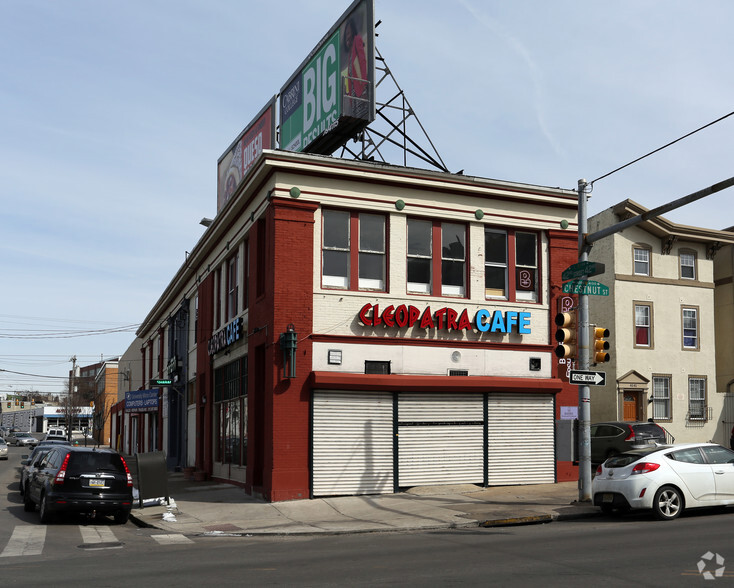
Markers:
point(352, 443)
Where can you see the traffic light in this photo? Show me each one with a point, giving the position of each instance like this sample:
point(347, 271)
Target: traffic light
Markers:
point(601, 345)
point(566, 334)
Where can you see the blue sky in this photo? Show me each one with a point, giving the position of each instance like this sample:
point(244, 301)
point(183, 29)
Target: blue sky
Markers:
point(114, 115)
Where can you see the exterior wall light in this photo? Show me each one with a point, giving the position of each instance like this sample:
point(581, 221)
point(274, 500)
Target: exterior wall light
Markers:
point(289, 344)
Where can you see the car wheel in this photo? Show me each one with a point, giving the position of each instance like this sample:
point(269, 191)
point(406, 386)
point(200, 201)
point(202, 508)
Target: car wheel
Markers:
point(667, 504)
point(45, 515)
point(28, 504)
point(121, 517)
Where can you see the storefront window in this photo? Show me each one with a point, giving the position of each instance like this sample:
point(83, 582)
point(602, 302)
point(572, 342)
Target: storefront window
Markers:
point(230, 416)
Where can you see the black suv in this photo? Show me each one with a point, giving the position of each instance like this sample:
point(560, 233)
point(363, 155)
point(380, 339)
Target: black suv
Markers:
point(80, 480)
point(613, 438)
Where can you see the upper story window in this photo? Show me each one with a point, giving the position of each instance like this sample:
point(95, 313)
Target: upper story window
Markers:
point(510, 265)
point(353, 250)
point(232, 286)
point(690, 328)
point(420, 255)
point(453, 259)
point(687, 265)
point(436, 258)
point(643, 325)
point(641, 261)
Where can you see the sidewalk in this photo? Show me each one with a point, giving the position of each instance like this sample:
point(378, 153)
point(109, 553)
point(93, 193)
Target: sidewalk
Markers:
point(212, 508)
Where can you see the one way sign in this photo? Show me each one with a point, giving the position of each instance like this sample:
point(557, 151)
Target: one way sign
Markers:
point(588, 378)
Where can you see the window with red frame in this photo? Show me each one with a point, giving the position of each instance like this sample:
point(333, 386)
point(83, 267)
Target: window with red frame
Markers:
point(353, 250)
point(511, 265)
point(436, 258)
point(232, 286)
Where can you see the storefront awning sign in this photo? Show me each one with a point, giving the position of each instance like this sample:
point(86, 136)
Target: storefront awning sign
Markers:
point(141, 400)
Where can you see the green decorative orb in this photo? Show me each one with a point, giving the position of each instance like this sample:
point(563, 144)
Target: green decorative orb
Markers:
point(479, 214)
point(564, 224)
point(295, 192)
point(399, 204)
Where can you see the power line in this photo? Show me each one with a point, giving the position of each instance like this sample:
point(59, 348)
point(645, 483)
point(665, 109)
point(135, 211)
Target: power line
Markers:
point(660, 148)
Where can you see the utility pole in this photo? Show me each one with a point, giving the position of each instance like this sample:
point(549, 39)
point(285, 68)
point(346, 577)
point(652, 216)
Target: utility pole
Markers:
point(583, 358)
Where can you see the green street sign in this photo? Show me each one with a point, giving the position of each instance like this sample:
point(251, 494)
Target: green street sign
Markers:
point(588, 287)
point(582, 268)
point(161, 382)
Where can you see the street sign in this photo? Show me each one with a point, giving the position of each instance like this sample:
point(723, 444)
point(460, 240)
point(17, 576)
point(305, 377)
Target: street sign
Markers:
point(161, 382)
point(581, 269)
point(588, 378)
point(589, 287)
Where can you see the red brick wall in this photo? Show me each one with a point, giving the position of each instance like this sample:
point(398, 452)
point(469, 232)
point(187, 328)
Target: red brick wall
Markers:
point(288, 298)
point(562, 252)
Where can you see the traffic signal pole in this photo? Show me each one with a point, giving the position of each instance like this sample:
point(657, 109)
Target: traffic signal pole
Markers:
point(582, 355)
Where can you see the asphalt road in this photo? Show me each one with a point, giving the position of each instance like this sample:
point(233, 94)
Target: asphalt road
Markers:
point(632, 550)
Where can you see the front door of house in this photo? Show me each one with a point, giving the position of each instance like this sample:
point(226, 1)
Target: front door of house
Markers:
point(630, 406)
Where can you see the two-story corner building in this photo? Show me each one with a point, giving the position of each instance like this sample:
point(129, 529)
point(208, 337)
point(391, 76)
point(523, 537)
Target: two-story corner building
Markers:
point(661, 315)
point(348, 327)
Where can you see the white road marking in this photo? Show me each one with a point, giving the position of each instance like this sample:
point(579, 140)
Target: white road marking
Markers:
point(172, 539)
point(26, 540)
point(97, 534)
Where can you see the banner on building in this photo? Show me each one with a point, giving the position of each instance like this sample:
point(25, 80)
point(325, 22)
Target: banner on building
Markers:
point(141, 400)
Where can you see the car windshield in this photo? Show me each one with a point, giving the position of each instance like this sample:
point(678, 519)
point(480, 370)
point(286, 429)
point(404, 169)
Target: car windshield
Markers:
point(22, 435)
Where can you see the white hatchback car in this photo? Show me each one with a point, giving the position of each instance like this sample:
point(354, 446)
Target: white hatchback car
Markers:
point(666, 479)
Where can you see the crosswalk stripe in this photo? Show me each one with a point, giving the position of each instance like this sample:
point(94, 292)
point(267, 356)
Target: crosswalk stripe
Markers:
point(97, 534)
point(172, 539)
point(25, 540)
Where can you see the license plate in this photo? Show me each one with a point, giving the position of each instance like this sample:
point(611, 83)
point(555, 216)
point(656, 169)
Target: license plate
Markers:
point(96, 483)
point(607, 497)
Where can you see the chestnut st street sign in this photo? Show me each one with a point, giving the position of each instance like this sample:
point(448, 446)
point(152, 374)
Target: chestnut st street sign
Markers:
point(589, 287)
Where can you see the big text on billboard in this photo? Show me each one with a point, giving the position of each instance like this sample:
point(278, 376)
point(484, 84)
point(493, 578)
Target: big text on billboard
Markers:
point(310, 106)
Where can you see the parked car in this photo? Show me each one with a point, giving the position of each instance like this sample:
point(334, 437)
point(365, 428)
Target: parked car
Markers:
point(80, 479)
point(4, 431)
point(56, 432)
point(3, 449)
point(20, 438)
point(612, 438)
point(56, 438)
point(667, 480)
point(29, 463)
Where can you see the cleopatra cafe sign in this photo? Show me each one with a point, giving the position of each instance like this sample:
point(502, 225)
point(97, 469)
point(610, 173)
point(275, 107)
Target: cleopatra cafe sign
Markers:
point(225, 337)
point(484, 321)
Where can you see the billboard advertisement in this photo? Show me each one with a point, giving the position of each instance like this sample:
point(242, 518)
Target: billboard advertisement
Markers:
point(233, 166)
point(331, 96)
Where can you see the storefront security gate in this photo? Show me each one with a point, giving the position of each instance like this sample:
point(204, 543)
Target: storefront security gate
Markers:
point(379, 442)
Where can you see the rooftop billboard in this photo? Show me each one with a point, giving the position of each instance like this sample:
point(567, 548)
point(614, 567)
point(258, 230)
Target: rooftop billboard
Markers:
point(331, 95)
point(239, 157)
